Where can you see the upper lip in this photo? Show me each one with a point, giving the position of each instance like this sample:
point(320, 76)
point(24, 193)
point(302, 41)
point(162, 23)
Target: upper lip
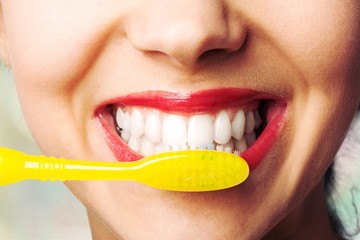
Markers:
point(190, 103)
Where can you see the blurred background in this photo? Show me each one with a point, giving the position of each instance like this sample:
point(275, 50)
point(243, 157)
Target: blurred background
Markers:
point(33, 209)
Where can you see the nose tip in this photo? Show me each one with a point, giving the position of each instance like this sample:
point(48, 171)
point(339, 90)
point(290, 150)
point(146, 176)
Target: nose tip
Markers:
point(188, 35)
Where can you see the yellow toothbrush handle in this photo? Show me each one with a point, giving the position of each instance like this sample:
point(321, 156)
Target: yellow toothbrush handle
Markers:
point(191, 170)
point(17, 166)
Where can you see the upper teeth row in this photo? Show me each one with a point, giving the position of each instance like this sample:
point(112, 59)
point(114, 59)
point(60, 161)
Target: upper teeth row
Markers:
point(149, 131)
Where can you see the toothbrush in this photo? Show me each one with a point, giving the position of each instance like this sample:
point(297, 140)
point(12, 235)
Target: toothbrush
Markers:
point(188, 170)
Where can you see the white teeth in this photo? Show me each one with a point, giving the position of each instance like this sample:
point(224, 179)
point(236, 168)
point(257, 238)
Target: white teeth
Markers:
point(174, 130)
point(134, 144)
point(250, 138)
point(240, 145)
point(227, 147)
point(201, 131)
point(153, 127)
point(147, 147)
point(137, 123)
point(124, 122)
point(238, 125)
point(127, 123)
point(120, 117)
point(176, 148)
point(249, 122)
point(126, 136)
point(159, 148)
point(222, 128)
point(148, 131)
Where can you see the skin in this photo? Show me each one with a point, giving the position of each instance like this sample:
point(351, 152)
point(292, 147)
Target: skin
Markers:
point(69, 56)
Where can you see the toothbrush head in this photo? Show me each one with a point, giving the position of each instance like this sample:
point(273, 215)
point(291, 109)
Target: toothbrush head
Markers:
point(194, 170)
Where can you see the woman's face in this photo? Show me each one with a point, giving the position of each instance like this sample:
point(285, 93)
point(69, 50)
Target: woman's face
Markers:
point(114, 80)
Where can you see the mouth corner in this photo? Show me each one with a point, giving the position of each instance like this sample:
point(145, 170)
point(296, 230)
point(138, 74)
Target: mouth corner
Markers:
point(121, 152)
point(274, 113)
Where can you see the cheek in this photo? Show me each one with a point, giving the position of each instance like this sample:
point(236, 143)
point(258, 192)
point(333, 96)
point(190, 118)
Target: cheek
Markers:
point(49, 58)
point(41, 117)
point(326, 51)
point(51, 51)
point(320, 38)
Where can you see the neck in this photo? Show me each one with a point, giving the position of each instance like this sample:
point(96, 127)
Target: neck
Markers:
point(98, 229)
point(308, 221)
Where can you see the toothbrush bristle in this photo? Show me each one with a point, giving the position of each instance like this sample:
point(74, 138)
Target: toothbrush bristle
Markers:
point(195, 170)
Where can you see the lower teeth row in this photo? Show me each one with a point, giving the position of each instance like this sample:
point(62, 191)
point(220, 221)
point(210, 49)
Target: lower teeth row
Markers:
point(150, 131)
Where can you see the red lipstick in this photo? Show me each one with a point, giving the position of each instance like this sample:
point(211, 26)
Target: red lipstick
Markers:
point(192, 103)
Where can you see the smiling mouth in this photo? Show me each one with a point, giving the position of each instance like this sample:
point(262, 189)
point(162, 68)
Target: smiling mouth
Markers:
point(149, 131)
point(243, 122)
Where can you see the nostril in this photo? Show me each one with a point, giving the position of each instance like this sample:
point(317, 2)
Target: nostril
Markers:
point(213, 54)
point(217, 54)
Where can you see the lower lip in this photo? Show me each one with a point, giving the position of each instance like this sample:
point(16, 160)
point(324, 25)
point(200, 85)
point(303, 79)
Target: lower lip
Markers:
point(254, 155)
